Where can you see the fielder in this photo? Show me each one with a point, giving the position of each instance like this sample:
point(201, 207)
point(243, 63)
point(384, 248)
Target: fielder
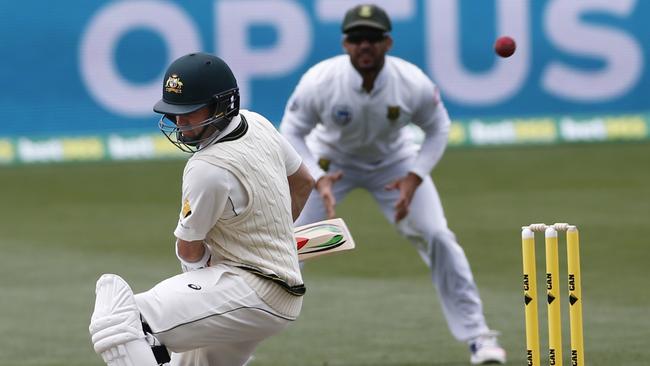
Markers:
point(242, 189)
point(346, 118)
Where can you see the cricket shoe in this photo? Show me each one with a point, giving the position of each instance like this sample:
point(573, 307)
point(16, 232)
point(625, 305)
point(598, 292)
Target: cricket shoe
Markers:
point(485, 349)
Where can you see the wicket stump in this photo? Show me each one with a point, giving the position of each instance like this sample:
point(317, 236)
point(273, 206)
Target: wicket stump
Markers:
point(552, 294)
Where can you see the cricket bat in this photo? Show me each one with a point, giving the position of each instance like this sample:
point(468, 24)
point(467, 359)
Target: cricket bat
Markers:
point(323, 237)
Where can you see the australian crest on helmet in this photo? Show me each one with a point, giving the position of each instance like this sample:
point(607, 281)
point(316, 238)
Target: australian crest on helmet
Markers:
point(174, 84)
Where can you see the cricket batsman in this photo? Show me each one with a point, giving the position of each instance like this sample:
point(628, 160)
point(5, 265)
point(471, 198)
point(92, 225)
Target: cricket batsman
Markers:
point(243, 187)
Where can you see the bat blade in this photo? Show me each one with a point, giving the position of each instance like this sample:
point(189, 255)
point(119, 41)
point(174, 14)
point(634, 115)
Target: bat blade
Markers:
point(323, 237)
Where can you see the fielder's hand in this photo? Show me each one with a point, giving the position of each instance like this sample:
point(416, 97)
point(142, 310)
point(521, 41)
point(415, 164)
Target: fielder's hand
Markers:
point(407, 186)
point(324, 187)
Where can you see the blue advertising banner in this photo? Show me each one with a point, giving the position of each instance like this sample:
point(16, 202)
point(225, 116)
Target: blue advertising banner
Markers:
point(95, 67)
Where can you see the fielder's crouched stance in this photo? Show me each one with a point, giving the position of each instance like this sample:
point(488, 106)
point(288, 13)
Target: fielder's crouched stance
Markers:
point(347, 118)
point(243, 188)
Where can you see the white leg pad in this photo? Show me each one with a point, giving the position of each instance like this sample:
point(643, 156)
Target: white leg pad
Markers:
point(115, 326)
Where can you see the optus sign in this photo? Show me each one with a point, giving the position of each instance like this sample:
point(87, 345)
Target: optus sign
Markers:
point(105, 61)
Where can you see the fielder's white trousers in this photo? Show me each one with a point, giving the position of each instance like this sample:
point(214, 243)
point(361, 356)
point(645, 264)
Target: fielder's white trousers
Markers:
point(426, 228)
point(208, 317)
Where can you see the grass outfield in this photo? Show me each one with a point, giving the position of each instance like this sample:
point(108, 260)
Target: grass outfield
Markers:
point(64, 225)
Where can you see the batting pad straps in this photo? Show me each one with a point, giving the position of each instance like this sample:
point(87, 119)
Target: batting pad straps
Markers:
point(159, 350)
point(193, 266)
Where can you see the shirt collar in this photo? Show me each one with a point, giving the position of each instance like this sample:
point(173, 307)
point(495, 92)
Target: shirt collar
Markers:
point(356, 80)
point(234, 122)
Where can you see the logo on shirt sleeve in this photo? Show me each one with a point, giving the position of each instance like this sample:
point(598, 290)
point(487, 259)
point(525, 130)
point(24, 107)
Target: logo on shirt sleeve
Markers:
point(393, 112)
point(187, 210)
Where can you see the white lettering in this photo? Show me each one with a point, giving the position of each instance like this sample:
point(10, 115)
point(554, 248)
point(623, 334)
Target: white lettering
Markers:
point(586, 130)
point(107, 27)
point(294, 34)
point(507, 75)
point(121, 148)
point(40, 151)
point(492, 133)
point(622, 54)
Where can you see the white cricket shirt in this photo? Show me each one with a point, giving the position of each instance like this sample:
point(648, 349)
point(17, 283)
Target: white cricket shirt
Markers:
point(236, 198)
point(330, 115)
point(213, 193)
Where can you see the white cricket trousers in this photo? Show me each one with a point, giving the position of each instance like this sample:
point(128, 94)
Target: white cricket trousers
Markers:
point(426, 228)
point(208, 317)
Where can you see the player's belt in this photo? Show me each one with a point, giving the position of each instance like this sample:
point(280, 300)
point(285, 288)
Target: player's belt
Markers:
point(297, 290)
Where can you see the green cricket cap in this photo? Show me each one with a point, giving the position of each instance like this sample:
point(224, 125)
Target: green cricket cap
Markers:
point(366, 15)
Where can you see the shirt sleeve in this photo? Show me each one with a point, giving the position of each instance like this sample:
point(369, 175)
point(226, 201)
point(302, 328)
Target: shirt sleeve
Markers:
point(206, 189)
point(432, 117)
point(299, 119)
point(292, 159)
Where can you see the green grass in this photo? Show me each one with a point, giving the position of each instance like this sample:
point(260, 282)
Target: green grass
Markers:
point(62, 226)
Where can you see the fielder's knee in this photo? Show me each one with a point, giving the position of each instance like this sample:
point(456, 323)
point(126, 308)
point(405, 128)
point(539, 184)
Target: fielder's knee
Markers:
point(444, 236)
point(115, 326)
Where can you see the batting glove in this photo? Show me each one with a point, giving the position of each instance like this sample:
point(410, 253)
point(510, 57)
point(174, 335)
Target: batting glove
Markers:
point(193, 266)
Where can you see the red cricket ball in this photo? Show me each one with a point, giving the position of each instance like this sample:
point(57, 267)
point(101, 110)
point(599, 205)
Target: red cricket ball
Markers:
point(505, 46)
